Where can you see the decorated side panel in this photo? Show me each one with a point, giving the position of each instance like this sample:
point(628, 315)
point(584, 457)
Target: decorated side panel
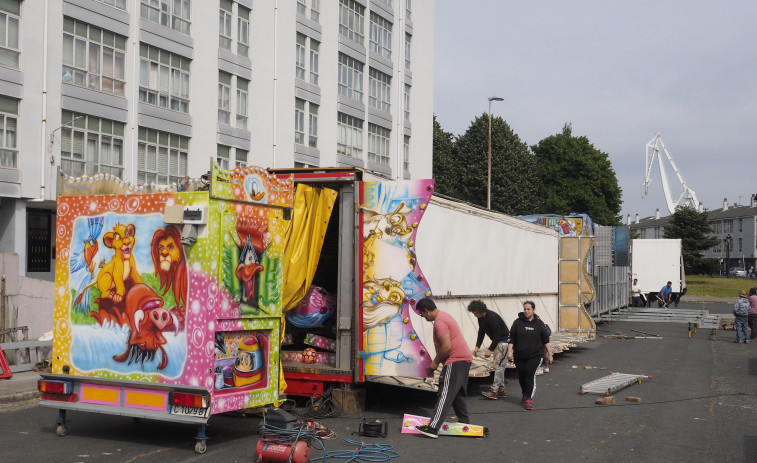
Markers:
point(125, 285)
point(392, 281)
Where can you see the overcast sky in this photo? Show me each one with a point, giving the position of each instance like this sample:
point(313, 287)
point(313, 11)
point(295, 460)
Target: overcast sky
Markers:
point(620, 71)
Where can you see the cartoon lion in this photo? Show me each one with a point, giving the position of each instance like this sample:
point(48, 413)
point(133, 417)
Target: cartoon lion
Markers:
point(170, 266)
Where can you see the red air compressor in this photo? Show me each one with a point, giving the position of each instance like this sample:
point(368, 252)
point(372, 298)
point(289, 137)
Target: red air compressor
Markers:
point(277, 452)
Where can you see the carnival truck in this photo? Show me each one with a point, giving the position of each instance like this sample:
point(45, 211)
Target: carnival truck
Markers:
point(654, 262)
point(168, 299)
point(386, 245)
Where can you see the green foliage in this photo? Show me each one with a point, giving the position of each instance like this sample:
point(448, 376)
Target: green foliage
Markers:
point(514, 188)
point(447, 182)
point(694, 231)
point(577, 177)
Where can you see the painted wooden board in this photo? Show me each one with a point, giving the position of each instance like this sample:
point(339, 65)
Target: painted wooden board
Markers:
point(409, 422)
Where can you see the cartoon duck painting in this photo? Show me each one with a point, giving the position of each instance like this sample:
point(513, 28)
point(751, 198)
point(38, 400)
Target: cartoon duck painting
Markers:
point(250, 240)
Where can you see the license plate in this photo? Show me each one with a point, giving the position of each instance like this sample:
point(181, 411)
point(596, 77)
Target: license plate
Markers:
point(190, 411)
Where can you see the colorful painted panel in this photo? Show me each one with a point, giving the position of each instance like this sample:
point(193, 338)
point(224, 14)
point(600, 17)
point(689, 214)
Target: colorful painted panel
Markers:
point(392, 281)
point(122, 286)
point(135, 301)
point(252, 184)
point(565, 225)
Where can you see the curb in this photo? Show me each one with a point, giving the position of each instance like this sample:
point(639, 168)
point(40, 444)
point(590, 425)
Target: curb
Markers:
point(19, 397)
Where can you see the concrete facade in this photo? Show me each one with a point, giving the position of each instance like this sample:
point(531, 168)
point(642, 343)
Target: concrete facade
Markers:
point(85, 84)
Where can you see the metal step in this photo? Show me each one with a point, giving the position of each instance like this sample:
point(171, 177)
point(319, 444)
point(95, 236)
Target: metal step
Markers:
point(702, 317)
point(611, 383)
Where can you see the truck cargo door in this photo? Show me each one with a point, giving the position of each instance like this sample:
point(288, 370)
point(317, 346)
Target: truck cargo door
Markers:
point(391, 281)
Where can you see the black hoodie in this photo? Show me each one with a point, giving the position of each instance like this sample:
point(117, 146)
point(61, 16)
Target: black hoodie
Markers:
point(528, 337)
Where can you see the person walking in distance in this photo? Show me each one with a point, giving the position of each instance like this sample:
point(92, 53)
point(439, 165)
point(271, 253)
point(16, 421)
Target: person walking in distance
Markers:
point(752, 318)
point(741, 312)
point(492, 325)
point(452, 352)
point(529, 342)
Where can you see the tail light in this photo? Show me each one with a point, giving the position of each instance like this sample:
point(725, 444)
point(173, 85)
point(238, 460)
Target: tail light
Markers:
point(190, 400)
point(54, 386)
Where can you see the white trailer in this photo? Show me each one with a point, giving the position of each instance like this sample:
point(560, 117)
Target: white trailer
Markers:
point(654, 262)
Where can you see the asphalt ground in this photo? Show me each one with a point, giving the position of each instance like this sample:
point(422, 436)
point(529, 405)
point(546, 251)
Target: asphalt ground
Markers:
point(699, 405)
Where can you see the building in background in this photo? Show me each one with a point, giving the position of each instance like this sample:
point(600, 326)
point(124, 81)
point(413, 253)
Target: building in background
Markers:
point(739, 222)
point(152, 90)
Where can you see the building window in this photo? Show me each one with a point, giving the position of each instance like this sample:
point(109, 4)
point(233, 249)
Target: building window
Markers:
point(351, 16)
point(741, 245)
point(91, 145)
point(314, 55)
point(407, 102)
point(173, 14)
point(728, 226)
point(300, 57)
point(93, 58)
point(406, 154)
point(162, 157)
point(300, 62)
point(381, 36)
point(408, 10)
point(224, 25)
point(302, 7)
point(378, 144)
point(741, 225)
point(38, 241)
point(350, 77)
point(9, 32)
point(121, 4)
point(300, 133)
point(242, 156)
point(313, 126)
point(717, 227)
point(379, 90)
point(315, 9)
point(224, 98)
point(8, 124)
point(408, 39)
point(223, 156)
point(349, 138)
point(299, 121)
point(243, 31)
point(242, 102)
point(163, 79)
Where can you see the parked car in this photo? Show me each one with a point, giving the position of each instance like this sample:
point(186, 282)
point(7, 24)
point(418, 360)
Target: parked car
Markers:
point(737, 272)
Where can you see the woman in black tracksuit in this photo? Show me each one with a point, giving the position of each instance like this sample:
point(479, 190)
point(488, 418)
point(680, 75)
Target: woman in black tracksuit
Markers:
point(529, 342)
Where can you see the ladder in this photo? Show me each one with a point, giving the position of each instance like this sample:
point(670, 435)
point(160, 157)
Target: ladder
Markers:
point(611, 383)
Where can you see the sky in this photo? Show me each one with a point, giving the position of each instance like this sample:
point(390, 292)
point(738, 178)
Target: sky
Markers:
point(619, 71)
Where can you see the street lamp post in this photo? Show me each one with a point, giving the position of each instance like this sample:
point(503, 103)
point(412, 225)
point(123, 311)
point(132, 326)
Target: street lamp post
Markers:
point(728, 241)
point(489, 162)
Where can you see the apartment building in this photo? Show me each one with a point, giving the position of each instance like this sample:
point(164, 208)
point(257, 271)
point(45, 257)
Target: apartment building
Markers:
point(734, 225)
point(155, 90)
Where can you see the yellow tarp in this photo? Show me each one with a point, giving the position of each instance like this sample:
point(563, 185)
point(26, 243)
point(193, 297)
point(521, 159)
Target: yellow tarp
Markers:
point(304, 238)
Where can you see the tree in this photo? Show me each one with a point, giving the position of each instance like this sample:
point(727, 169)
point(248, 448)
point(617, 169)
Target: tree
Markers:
point(576, 177)
point(694, 230)
point(514, 188)
point(444, 171)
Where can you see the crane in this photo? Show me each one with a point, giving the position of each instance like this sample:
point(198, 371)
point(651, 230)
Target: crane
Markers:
point(688, 197)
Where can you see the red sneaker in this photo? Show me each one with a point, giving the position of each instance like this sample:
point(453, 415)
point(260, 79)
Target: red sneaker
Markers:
point(529, 404)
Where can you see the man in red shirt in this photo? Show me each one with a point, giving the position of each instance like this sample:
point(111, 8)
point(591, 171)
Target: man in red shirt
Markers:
point(451, 351)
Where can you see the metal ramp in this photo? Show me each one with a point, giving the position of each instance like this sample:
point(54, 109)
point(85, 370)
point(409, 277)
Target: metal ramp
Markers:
point(611, 383)
point(702, 317)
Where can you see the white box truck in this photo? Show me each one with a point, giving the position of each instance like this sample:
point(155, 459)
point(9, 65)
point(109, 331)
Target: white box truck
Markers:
point(654, 262)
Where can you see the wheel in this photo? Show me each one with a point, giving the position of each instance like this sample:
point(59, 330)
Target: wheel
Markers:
point(61, 430)
point(201, 446)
